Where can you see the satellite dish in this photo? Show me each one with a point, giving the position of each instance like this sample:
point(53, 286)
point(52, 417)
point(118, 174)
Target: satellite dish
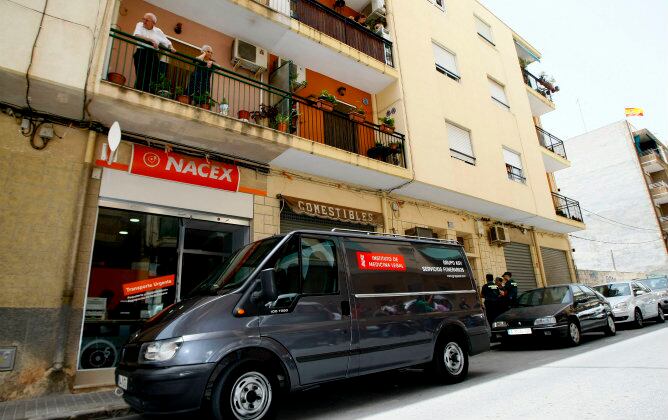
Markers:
point(114, 136)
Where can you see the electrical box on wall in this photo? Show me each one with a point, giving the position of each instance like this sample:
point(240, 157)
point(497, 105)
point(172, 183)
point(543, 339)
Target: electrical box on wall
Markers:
point(420, 232)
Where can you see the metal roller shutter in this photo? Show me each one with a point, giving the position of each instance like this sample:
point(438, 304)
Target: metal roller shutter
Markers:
point(292, 221)
point(556, 266)
point(520, 263)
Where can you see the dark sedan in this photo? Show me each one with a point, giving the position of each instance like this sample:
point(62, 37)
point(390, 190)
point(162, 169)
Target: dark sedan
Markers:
point(564, 312)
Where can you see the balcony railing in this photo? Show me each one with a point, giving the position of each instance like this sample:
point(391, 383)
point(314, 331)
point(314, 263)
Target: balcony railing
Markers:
point(537, 84)
point(339, 27)
point(658, 187)
point(567, 207)
point(183, 78)
point(551, 142)
point(515, 174)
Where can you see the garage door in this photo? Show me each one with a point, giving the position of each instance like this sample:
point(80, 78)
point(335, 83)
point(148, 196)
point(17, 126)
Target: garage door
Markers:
point(292, 221)
point(556, 266)
point(520, 263)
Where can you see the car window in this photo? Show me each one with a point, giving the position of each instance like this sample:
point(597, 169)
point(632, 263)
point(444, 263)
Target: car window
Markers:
point(545, 296)
point(614, 289)
point(635, 287)
point(590, 293)
point(655, 284)
point(578, 294)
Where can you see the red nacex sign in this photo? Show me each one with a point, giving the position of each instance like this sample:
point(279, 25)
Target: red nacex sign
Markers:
point(155, 163)
point(380, 262)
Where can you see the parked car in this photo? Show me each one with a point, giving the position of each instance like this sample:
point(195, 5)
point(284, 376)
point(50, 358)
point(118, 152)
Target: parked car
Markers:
point(289, 312)
point(564, 312)
point(658, 285)
point(632, 302)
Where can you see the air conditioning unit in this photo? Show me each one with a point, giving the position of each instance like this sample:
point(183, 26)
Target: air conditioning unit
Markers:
point(297, 74)
point(249, 56)
point(375, 8)
point(499, 235)
point(420, 232)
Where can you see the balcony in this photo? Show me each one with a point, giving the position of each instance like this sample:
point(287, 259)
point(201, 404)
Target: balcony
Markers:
point(302, 31)
point(567, 207)
point(540, 94)
point(664, 223)
point(659, 191)
point(652, 161)
point(554, 152)
point(224, 111)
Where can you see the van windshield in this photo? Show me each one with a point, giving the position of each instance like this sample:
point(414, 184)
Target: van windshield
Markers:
point(234, 271)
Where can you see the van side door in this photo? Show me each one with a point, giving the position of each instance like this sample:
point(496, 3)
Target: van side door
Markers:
point(311, 316)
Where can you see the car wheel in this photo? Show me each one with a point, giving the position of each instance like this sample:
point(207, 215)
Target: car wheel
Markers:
point(638, 321)
point(574, 333)
point(451, 362)
point(244, 392)
point(610, 328)
point(660, 317)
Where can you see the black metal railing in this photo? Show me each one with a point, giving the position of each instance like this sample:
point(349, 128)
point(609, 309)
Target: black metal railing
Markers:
point(328, 21)
point(515, 174)
point(537, 84)
point(183, 78)
point(551, 142)
point(567, 207)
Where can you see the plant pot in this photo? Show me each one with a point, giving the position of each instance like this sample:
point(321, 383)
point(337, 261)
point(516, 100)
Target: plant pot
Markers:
point(325, 105)
point(184, 99)
point(205, 106)
point(358, 118)
point(395, 146)
point(116, 78)
point(283, 127)
point(224, 109)
point(165, 94)
point(387, 129)
point(244, 115)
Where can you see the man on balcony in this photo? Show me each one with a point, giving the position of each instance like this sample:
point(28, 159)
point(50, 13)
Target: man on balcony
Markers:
point(148, 66)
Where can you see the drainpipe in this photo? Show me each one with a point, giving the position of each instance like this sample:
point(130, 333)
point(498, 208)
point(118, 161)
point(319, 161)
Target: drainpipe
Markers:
point(539, 257)
point(384, 210)
point(68, 289)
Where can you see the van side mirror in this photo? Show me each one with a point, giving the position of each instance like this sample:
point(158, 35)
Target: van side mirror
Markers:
point(268, 291)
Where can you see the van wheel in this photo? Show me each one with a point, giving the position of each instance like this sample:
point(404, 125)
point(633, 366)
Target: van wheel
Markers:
point(451, 362)
point(610, 328)
point(638, 321)
point(660, 316)
point(245, 392)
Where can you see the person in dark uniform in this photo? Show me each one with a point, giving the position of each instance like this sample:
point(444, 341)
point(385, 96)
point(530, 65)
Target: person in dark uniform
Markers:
point(490, 292)
point(510, 286)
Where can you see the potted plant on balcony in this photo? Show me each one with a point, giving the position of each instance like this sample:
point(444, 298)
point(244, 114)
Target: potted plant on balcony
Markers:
point(326, 101)
point(357, 115)
point(379, 151)
point(387, 124)
point(548, 82)
point(161, 87)
point(116, 78)
point(224, 107)
point(266, 115)
point(204, 100)
point(244, 115)
point(284, 120)
point(180, 96)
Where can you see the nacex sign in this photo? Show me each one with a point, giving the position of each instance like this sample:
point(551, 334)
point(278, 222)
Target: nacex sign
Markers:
point(156, 163)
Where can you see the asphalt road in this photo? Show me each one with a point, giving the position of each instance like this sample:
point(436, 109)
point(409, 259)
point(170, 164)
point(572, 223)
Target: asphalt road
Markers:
point(605, 377)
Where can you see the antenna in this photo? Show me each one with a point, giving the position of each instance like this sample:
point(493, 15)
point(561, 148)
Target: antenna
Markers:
point(114, 140)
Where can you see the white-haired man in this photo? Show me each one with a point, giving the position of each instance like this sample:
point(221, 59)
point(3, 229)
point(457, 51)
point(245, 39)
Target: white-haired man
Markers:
point(148, 67)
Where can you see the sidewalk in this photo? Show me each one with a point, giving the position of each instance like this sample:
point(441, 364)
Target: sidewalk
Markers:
point(94, 404)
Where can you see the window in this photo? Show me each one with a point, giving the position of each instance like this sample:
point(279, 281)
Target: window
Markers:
point(446, 62)
point(590, 293)
point(438, 3)
point(484, 30)
point(498, 93)
point(578, 295)
point(513, 166)
point(460, 144)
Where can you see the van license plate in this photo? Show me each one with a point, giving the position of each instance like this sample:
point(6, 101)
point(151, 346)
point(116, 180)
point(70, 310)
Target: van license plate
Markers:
point(519, 331)
point(123, 382)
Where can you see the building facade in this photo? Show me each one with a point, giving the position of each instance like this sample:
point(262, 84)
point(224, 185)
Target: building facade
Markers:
point(627, 220)
point(434, 130)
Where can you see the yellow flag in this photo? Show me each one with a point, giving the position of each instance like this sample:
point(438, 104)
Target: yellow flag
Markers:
point(634, 112)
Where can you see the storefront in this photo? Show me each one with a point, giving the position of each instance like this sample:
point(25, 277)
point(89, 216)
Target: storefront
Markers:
point(164, 222)
point(298, 213)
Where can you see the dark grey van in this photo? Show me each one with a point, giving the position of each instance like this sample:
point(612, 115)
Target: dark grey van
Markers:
point(288, 312)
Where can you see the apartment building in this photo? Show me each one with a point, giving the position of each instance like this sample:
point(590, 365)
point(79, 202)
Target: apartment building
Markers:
point(211, 158)
point(625, 196)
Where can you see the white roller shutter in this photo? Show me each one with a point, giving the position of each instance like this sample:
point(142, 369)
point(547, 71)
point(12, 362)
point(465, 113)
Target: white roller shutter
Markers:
point(512, 159)
point(445, 59)
point(498, 92)
point(460, 142)
point(484, 29)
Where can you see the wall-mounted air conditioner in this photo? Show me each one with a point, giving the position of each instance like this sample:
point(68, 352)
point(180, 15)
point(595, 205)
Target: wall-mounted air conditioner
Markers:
point(297, 74)
point(420, 232)
point(249, 56)
point(499, 235)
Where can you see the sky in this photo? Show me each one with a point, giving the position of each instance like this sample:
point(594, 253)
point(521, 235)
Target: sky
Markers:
point(604, 54)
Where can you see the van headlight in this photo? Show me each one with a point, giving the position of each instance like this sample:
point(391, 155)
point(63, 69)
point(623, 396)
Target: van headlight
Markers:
point(160, 351)
point(500, 324)
point(546, 320)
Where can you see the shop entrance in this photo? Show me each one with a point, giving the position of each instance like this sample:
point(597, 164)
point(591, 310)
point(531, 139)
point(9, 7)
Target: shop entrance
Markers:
point(143, 262)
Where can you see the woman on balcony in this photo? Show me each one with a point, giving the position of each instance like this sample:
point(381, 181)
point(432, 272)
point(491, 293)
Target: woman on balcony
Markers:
point(199, 86)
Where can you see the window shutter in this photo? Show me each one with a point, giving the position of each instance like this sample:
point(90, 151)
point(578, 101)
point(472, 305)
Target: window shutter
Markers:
point(498, 92)
point(445, 59)
point(460, 140)
point(484, 29)
point(512, 158)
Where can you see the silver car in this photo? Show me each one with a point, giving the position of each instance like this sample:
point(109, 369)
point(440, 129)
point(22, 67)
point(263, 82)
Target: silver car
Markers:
point(659, 285)
point(632, 302)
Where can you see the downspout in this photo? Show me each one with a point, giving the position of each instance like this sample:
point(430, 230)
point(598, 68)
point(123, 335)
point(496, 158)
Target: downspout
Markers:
point(68, 289)
point(539, 258)
point(386, 219)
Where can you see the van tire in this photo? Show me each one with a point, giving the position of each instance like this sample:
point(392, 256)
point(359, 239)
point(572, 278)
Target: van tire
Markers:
point(450, 364)
point(243, 379)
